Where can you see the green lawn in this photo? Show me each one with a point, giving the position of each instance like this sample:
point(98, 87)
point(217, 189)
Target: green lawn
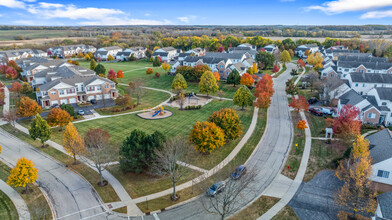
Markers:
point(7, 208)
point(287, 213)
point(316, 124)
point(32, 34)
point(256, 209)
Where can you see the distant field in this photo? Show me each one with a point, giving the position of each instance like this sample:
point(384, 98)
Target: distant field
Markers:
point(6, 35)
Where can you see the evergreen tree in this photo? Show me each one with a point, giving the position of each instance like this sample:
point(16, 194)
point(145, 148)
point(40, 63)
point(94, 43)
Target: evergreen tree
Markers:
point(93, 64)
point(39, 128)
point(100, 69)
point(234, 78)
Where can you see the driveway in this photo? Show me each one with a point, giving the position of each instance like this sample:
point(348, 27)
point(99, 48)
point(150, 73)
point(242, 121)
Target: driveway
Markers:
point(100, 104)
point(70, 195)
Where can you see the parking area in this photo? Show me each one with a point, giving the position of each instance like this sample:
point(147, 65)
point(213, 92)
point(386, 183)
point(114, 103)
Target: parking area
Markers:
point(99, 104)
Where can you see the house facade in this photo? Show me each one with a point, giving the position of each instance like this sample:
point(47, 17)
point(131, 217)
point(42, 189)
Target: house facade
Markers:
point(300, 51)
point(271, 48)
point(363, 82)
point(14, 55)
point(104, 52)
point(166, 53)
point(69, 50)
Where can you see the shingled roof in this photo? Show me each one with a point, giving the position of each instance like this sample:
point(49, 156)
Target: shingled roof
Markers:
point(384, 93)
point(351, 98)
point(371, 78)
point(385, 202)
point(380, 146)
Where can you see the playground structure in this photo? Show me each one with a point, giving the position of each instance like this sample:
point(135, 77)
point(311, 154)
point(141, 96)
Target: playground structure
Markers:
point(158, 111)
point(191, 95)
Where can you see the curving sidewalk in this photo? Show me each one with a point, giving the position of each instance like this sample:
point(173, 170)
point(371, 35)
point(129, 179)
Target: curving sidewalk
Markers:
point(17, 200)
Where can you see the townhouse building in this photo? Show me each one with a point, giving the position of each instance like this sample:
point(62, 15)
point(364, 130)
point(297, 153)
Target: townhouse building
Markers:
point(69, 50)
point(252, 47)
point(104, 52)
point(271, 48)
point(34, 67)
point(166, 53)
point(8, 55)
point(300, 51)
point(125, 54)
point(362, 83)
point(197, 51)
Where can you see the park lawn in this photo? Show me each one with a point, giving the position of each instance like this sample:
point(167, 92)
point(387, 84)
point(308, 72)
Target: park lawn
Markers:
point(7, 208)
point(150, 99)
point(195, 190)
point(294, 158)
point(256, 209)
point(287, 213)
point(36, 202)
point(323, 156)
point(307, 93)
point(316, 124)
point(106, 193)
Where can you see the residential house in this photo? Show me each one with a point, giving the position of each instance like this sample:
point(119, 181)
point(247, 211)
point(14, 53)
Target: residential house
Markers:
point(248, 51)
point(363, 82)
point(335, 53)
point(271, 48)
point(104, 52)
point(182, 56)
point(384, 207)
point(76, 89)
point(197, 51)
point(240, 67)
point(69, 50)
point(383, 99)
point(166, 53)
point(36, 66)
point(248, 62)
point(362, 64)
point(300, 51)
point(253, 47)
point(137, 52)
point(8, 55)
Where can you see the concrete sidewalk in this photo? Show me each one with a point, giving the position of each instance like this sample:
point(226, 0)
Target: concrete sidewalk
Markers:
point(20, 204)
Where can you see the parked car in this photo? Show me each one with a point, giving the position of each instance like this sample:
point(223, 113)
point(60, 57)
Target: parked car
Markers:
point(93, 101)
point(312, 100)
point(316, 111)
point(216, 188)
point(327, 111)
point(56, 106)
point(238, 172)
point(80, 112)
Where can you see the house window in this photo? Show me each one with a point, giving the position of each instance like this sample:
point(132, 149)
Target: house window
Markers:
point(112, 85)
point(346, 70)
point(371, 115)
point(99, 88)
point(221, 66)
point(356, 85)
point(53, 92)
point(61, 91)
point(106, 86)
point(364, 85)
point(361, 71)
point(383, 173)
point(384, 103)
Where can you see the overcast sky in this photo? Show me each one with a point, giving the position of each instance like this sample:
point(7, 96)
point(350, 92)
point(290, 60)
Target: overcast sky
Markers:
point(201, 12)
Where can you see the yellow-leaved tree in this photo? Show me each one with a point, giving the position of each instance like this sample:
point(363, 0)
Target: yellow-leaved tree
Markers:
point(356, 194)
point(72, 141)
point(23, 173)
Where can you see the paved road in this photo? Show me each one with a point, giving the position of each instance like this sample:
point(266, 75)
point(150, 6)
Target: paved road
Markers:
point(71, 196)
point(267, 160)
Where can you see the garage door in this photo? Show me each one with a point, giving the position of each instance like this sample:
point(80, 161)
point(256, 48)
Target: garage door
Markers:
point(55, 103)
point(107, 96)
point(63, 101)
point(73, 100)
point(91, 98)
point(99, 97)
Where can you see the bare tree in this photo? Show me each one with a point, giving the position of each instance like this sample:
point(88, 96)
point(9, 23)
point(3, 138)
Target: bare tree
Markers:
point(11, 117)
point(181, 100)
point(328, 88)
point(98, 152)
point(136, 87)
point(172, 160)
point(312, 79)
point(277, 56)
point(228, 201)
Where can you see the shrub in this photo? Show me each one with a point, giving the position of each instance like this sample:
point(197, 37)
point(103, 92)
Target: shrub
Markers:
point(157, 75)
point(228, 120)
point(207, 136)
point(149, 71)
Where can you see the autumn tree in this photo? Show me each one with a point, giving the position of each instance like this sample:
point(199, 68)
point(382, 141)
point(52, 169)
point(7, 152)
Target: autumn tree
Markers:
point(307, 52)
point(285, 57)
point(157, 61)
point(16, 87)
point(26, 89)
point(265, 84)
point(112, 75)
point(229, 121)
point(234, 78)
point(206, 136)
point(275, 69)
point(301, 63)
point(299, 104)
point(254, 68)
point(93, 64)
point(347, 125)
point(247, 80)
point(243, 97)
point(110, 58)
point(27, 107)
point(87, 57)
point(23, 174)
point(149, 71)
point(72, 142)
point(315, 58)
point(179, 82)
point(266, 59)
point(136, 87)
point(301, 125)
point(291, 88)
point(10, 73)
point(125, 101)
point(58, 117)
point(40, 129)
point(355, 194)
point(217, 76)
point(208, 83)
point(165, 66)
point(120, 74)
point(263, 101)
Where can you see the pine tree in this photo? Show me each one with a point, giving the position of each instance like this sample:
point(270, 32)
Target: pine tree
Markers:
point(100, 69)
point(39, 128)
point(179, 82)
point(234, 78)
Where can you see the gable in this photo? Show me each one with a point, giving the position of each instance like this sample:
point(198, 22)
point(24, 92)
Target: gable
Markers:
point(62, 85)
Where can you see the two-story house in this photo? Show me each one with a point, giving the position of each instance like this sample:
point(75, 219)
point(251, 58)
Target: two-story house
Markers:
point(271, 48)
point(137, 52)
point(166, 53)
point(383, 99)
point(197, 51)
point(300, 51)
point(69, 50)
point(104, 52)
point(362, 83)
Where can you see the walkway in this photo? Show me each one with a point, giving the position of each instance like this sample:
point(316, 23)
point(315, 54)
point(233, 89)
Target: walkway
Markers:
point(20, 204)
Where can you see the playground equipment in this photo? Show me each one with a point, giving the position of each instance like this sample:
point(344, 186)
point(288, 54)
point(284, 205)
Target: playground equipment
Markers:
point(194, 97)
point(158, 111)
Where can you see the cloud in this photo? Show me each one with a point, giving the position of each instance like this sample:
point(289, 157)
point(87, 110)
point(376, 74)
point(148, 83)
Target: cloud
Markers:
point(340, 6)
point(147, 14)
point(12, 4)
point(187, 19)
point(377, 14)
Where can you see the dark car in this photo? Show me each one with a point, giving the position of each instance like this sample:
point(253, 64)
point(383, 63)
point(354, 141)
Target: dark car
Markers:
point(316, 111)
point(238, 172)
point(56, 106)
point(93, 101)
point(216, 188)
point(312, 100)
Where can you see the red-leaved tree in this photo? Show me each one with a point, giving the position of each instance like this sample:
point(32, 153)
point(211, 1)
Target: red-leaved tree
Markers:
point(10, 73)
point(348, 124)
point(299, 104)
point(275, 69)
point(16, 87)
point(112, 75)
point(120, 74)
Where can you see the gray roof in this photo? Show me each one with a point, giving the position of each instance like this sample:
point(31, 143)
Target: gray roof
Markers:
point(384, 93)
point(224, 55)
point(351, 98)
point(385, 202)
point(341, 51)
point(239, 66)
point(362, 59)
point(206, 60)
point(371, 78)
point(367, 65)
point(72, 81)
point(167, 49)
point(64, 72)
point(122, 53)
point(380, 145)
point(99, 52)
point(112, 48)
point(184, 54)
point(161, 54)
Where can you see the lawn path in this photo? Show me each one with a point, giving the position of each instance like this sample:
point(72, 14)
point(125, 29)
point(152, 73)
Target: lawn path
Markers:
point(17, 200)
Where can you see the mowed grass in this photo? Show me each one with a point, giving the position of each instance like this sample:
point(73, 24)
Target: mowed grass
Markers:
point(287, 213)
point(7, 208)
point(256, 209)
point(33, 34)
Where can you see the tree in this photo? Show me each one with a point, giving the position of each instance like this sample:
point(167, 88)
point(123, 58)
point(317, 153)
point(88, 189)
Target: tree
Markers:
point(124, 101)
point(356, 194)
point(243, 97)
point(206, 136)
point(301, 125)
point(234, 78)
point(291, 89)
point(208, 83)
point(16, 87)
point(10, 117)
point(137, 150)
point(312, 79)
point(27, 107)
point(254, 68)
point(120, 74)
point(307, 52)
point(165, 66)
point(10, 73)
point(275, 69)
point(228, 120)
point(72, 142)
point(347, 125)
point(179, 82)
point(93, 64)
point(285, 57)
point(23, 173)
point(98, 152)
point(315, 59)
point(68, 108)
point(166, 161)
point(39, 128)
point(217, 76)
point(299, 104)
point(87, 57)
point(263, 101)
point(266, 59)
point(110, 58)
point(265, 85)
point(136, 87)
point(26, 89)
point(247, 80)
point(301, 63)
point(58, 117)
point(112, 75)
point(149, 71)
point(100, 70)
point(157, 61)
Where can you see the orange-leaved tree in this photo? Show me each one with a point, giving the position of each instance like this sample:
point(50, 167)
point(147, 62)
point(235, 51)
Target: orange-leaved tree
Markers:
point(120, 74)
point(58, 117)
point(229, 121)
point(301, 125)
point(263, 101)
point(28, 107)
point(206, 136)
point(72, 141)
point(23, 173)
point(247, 80)
point(348, 125)
point(299, 104)
point(16, 87)
point(265, 85)
point(165, 66)
point(217, 76)
point(149, 71)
